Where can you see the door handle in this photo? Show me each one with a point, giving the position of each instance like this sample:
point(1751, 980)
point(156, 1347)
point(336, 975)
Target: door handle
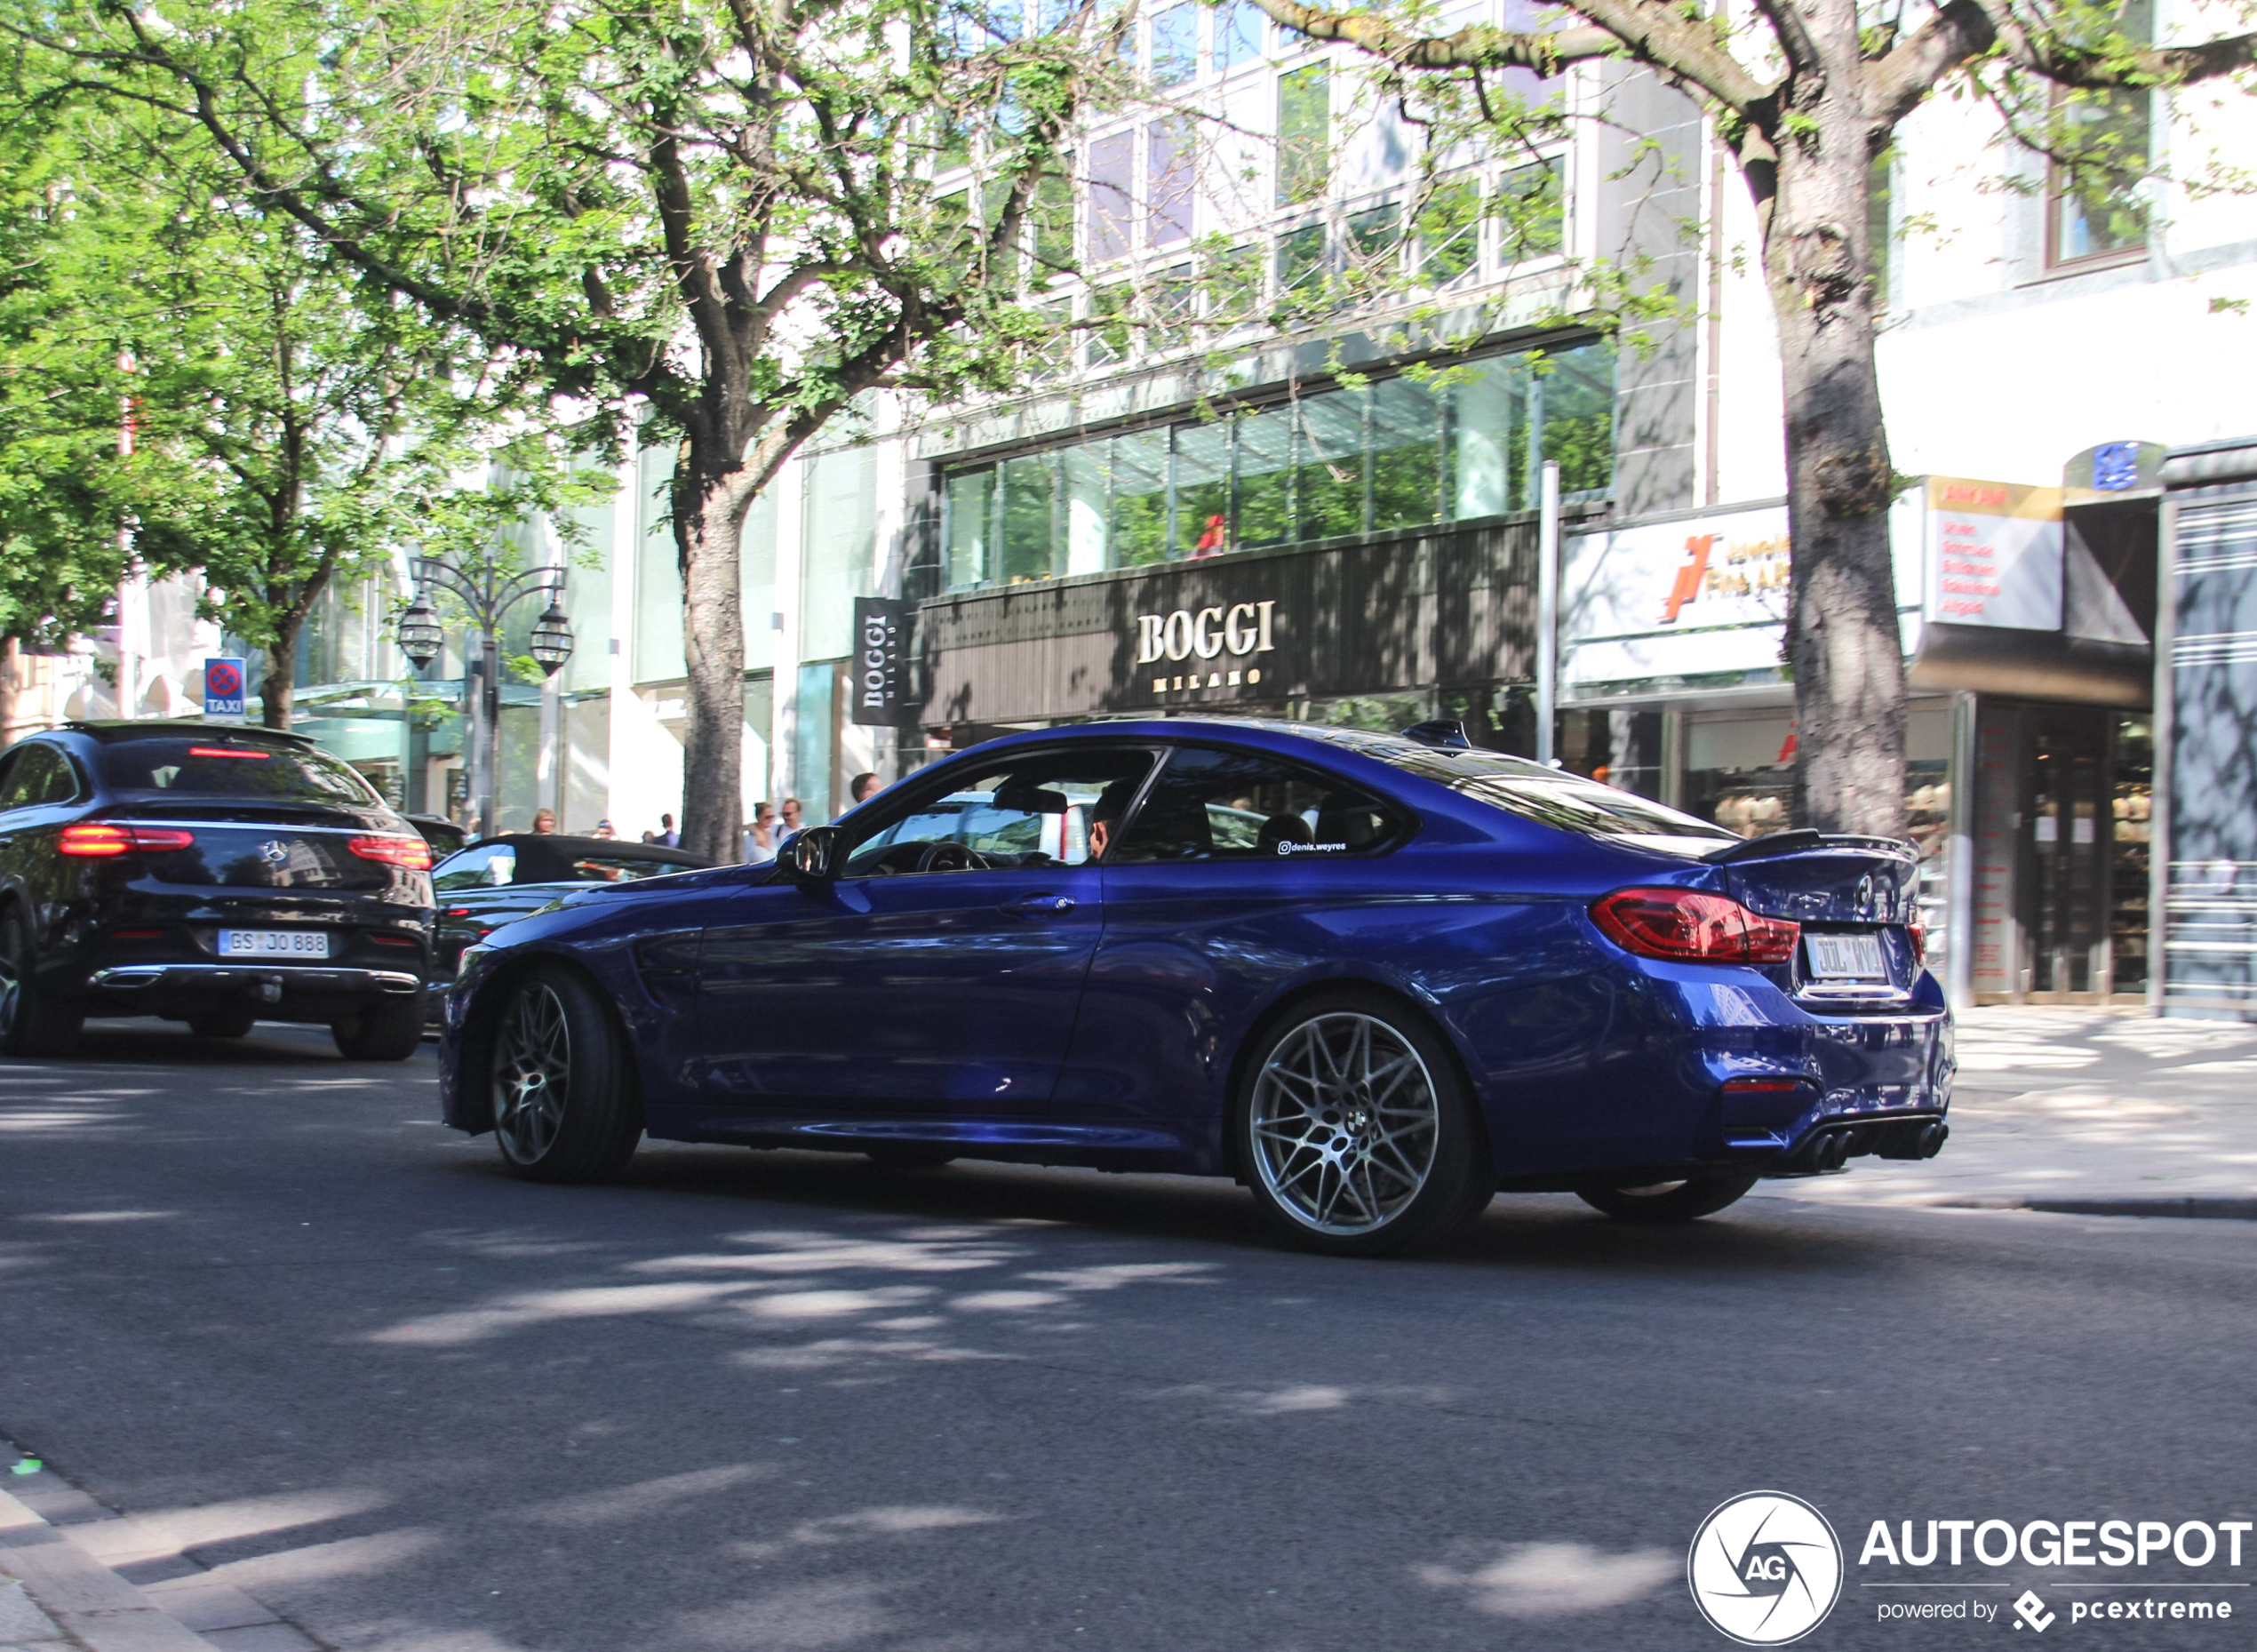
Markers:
point(1040, 905)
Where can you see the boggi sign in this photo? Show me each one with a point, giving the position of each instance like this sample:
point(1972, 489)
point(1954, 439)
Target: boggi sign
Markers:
point(1242, 628)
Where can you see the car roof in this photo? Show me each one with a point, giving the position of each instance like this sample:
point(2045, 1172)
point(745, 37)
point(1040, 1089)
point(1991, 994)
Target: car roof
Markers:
point(579, 848)
point(116, 730)
point(1270, 733)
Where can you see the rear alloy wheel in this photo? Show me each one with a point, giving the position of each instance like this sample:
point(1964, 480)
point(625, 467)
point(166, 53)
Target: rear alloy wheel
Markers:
point(389, 1029)
point(33, 1022)
point(223, 1024)
point(1356, 1133)
point(1665, 1202)
point(564, 1103)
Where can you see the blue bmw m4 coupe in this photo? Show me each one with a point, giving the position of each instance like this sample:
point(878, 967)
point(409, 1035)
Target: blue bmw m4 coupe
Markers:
point(1376, 978)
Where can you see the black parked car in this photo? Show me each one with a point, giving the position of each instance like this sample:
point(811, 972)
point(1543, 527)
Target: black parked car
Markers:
point(488, 884)
point(207, 874)
point(443, 834)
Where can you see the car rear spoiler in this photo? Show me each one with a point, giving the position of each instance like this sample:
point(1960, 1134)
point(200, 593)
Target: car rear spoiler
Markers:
point(1801, 841)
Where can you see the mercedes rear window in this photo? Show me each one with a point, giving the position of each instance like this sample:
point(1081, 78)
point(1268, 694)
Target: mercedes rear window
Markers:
point(171, 767)
point(1553, 797)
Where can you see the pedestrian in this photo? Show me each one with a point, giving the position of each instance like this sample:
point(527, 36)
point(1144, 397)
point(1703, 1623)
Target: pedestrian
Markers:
point(760, 835)
point(603, 829)
point(544, 823)
point(862, 787)
point(667, 836)
point(792, 812)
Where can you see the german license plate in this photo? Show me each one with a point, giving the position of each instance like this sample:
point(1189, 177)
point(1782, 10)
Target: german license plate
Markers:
point(274, 944)
point(1846, 957)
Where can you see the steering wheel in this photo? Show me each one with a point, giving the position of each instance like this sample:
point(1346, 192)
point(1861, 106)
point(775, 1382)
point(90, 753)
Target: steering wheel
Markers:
point(946, 856)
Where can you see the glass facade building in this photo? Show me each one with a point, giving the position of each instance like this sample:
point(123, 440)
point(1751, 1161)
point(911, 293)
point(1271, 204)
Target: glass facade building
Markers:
point(1467, 442)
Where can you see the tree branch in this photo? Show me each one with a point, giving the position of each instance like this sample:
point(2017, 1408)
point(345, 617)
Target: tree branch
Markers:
point(1645, 30)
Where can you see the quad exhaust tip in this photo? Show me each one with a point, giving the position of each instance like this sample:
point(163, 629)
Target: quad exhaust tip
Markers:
point(1833, 1146)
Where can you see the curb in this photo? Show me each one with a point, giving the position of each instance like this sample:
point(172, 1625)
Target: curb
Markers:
point(87, 1600)
point(2221, 1208)
point(65, 1582)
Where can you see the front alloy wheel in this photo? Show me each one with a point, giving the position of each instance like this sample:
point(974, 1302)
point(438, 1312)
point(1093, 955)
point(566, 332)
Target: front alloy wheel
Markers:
point(1356, 1132)
point(564, 1109)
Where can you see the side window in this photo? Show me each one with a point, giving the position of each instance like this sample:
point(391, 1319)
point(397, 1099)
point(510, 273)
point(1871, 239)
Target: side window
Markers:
point(483, 867)
point(1217, 805)
point(29, 778)
point(62, 779)
point(12, 772)
point(1048, 808)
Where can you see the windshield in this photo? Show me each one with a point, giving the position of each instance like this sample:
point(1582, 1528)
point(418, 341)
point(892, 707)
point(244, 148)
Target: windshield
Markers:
point(177, 767)
point(1553, 797)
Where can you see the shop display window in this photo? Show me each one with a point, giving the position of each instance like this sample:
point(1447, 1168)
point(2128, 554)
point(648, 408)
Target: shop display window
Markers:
point(2132, 809)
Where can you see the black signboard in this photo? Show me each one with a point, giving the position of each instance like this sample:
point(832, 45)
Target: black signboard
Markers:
point(1441, 605)
point(880, 664)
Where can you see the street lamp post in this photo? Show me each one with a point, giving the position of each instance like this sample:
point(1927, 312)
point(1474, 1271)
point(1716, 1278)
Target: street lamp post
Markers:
point(486, 594)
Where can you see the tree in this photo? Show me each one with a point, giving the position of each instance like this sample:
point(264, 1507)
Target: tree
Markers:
point(61, 545)
point(719, 210)
point(1806, 95)
point(207, 388)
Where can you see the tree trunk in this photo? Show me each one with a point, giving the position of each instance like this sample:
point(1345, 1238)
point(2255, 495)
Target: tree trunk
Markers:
point(1843, 643)
point(711, 497)
point(276, 694)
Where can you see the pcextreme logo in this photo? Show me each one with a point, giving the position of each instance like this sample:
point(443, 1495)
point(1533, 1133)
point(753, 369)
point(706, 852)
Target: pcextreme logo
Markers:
point(1765, 1569)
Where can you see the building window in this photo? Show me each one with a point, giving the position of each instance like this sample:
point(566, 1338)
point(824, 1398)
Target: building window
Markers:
point(2096, 209)
point(1238, 34)
point(1388, 455)
point(2102, 143)
point(1175, 45)
point(1112, 161)
point(840, 543)
point(1304, 134)
point(1168, 153)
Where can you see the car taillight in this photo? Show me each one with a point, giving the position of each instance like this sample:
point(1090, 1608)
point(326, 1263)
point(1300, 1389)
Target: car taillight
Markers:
point(100, 838)
point(1918, 935)
point(1693, 928)
point(412, 852)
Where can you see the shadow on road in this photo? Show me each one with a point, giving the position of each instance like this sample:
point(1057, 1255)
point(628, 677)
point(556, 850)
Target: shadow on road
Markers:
point(169, 1044)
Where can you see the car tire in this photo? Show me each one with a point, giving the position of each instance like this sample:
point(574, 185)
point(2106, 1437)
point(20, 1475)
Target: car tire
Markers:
point(33, 1022)
point(1663, 1203)
point(390, 1029)
point(1355, 1132)
point(223, 1024)
point(565, 1108)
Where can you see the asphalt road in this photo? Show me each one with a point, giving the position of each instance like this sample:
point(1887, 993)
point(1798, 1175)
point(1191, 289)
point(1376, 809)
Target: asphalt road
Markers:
point(759, 1401)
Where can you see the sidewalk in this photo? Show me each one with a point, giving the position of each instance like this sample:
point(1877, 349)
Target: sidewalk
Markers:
point(2085, 1111)
point(76, 1577)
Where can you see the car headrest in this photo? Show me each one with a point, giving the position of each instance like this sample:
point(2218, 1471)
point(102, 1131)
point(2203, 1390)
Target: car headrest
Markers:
point(1283, 829)
point(1354, 824)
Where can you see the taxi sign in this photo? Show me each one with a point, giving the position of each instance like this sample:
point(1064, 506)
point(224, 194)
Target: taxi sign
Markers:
point(223, 688)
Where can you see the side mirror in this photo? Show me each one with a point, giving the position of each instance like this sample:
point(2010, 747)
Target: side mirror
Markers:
point(813, 856)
